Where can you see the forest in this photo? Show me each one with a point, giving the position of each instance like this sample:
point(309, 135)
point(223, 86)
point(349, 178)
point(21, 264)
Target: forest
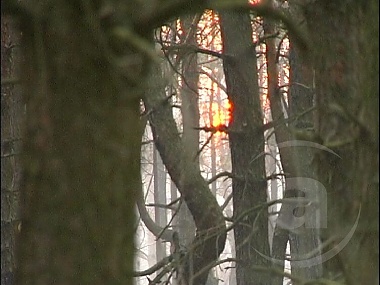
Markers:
point(190, 142)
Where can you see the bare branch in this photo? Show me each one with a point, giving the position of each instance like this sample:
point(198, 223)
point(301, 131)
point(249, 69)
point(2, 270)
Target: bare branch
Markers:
point(214, 129)
point(226, 201)
point(170, 222)
point(164, 206)
point(221, 174)
point(154, 268)
point(188, 48)
point(209, 75)
point(163, 233)
point(204, 145)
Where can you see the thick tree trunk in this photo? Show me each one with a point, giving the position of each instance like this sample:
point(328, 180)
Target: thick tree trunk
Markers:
point(247, 147)
point(347, 89)
point(82, 152)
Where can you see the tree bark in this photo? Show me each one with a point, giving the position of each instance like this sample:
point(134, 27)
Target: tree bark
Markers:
point(247, 146)
point(347, 94)
point(296, 161)
point(82, 148)
point(12, 113)
point(304, 240)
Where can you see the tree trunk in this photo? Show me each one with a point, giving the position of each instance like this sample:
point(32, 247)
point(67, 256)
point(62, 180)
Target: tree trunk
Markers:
point(347, 94)
point(247, 147)
point(159, 198)
point(184, 171)
point(190, 116)
point(12, 113)
point(82, 152)
point(296, 161)
point(304, 240)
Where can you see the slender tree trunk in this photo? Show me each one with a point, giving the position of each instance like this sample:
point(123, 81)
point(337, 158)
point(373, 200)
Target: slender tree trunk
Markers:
point(12, 113)
point(247, 147)
point(190, 116)
point(159, 198)
point(305, 240)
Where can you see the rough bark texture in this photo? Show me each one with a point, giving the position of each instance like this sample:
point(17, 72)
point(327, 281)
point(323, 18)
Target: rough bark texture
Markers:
point(347, 68)
point(11, 118)
point(247, 146)
point(82, 152)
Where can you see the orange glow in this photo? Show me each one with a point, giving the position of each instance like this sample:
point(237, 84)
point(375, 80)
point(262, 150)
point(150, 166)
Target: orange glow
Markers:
point(221, 115)
point(254, 2)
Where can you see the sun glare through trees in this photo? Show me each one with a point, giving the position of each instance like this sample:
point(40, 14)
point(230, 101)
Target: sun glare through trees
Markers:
point(186, 142)
point(215, 114)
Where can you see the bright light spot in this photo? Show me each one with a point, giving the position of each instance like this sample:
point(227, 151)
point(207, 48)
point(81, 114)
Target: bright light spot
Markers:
point(253, 2)
point(220, 115)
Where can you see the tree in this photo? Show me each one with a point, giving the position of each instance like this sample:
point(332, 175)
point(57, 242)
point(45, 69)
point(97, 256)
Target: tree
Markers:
point(331, 84)
point(190, 115)
point(83, 70)
point(346, 65)
point(247, 144)
point(184, 171)
point(11, 118)
point(296, 161)
point(80, 166)
point(159, 198)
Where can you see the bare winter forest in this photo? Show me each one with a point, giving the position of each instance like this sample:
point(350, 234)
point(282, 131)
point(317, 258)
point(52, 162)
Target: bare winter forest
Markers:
point(189, 142)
